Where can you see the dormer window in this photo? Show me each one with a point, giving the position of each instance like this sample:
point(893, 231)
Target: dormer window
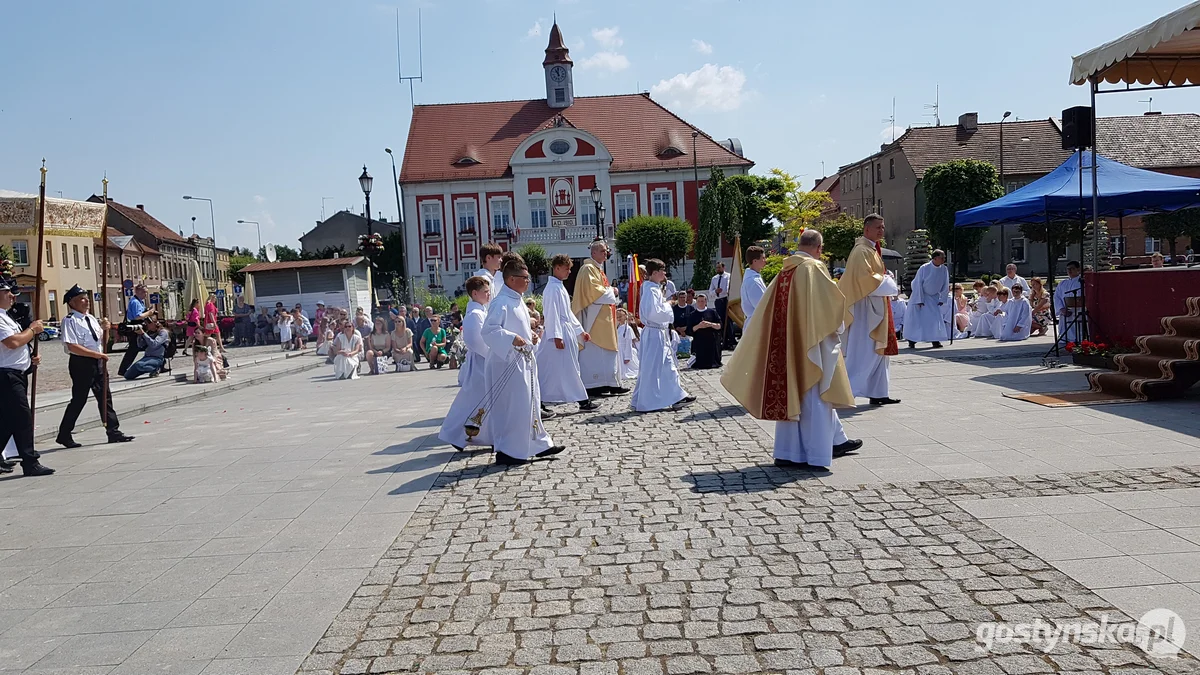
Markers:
point(670, 152)
point(466, 161)
point(560, 147)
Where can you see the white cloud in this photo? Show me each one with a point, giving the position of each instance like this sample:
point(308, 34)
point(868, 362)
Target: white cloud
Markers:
point(711, 87)
point(889, 131)
point(702, 46)
point(607, 37)
point(605, 61)
point(535, 30)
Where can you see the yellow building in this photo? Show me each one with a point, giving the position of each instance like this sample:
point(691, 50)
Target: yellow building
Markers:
point(71, 227)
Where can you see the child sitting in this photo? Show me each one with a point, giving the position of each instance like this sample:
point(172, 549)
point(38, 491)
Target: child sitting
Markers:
point(1018, 317)
point(202, 371)
point(983, 319)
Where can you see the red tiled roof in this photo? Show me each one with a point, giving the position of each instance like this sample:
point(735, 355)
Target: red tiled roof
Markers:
point(297, 264)
point(631, 126)
point(147, 222)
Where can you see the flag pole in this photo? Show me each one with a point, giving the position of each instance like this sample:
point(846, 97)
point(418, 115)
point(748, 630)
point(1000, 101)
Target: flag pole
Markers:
point(104, 301)
point(37, 293)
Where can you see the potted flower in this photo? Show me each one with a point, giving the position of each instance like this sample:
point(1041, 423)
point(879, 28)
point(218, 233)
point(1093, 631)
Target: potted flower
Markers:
point(1097, 354)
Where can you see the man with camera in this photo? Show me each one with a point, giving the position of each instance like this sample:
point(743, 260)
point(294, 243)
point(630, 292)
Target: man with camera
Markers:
point(136, 313)
point(16, 420)
point(154, 340)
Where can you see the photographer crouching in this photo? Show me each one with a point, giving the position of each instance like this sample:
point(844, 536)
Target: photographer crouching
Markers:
point(153, 340)
point(16, 420)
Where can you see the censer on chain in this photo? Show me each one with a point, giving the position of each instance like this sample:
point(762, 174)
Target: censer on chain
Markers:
point(474, 423)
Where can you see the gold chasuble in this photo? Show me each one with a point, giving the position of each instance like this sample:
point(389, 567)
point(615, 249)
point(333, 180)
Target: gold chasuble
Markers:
point(772, 367)
point(864, 272)
point(590, 284)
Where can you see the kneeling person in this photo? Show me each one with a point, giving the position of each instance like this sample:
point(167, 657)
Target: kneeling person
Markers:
point(152, 340)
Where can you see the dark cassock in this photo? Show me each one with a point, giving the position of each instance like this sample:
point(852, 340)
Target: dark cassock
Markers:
point(706, 340)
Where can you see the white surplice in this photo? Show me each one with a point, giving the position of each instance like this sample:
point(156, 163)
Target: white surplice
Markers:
point(598, 366)
point(514, 417)
point(867, 369)
point(1016, 280)
point(810, 437)
point(471, 395)
point(753, 290)
point(899, 311)
point(627, 352)
point(987, 324)
point(558, 369)
point(658, 385)
point(1069, 322)
point(347, 366)
point(1017, 314)
point(497, 279)
point(924, 319)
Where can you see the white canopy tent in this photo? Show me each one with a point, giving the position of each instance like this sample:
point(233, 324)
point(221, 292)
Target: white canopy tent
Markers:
point(1164, 53)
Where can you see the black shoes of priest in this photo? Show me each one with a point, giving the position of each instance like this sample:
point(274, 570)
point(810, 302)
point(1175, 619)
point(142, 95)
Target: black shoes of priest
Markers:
point(606, 391)
point(884, 401)
point(937, 345)
point(789, 464)
point(509, 460)
point(589, 405)
point(912, 345)
point(843, 449)
point(686, 400)
point(551, 451)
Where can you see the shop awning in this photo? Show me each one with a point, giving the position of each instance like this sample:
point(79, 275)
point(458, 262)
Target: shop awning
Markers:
point(1163, 53)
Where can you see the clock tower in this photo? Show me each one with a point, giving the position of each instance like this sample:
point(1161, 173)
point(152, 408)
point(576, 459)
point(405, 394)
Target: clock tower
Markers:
point(560, 87)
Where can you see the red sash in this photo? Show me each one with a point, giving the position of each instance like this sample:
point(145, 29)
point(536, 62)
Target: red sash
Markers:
point(775, 381)
point(892, 348)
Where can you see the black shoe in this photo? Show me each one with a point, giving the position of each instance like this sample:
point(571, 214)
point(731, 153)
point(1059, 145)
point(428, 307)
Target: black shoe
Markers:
point(597, 392)
point(912, 345)
point(884, 401)
point(36, 469)
point(456, 447)
point(937, 345)
point(551, 451)
point(67, 442)
point(843, 449)
point(509, 460)
point(684, 401)
point(789, 464)
point(119, 438)
point(589, 405)
point(617, 391)
point(6, 467)
point(548, 414)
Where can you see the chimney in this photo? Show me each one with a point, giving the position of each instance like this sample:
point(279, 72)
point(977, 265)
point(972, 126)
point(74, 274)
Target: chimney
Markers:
point(968, 121)
point(1152, 112)
point(141, 207)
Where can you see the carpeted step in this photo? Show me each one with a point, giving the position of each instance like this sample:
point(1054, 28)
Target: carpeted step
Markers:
point(1147, 388)
point(1146, 365)
point(1170, 346)
point(1184, 326)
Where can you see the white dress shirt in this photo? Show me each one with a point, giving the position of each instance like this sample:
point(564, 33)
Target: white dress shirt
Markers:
point(720, 282)
point(753, 290)
point(16, 359)
point(81, 329)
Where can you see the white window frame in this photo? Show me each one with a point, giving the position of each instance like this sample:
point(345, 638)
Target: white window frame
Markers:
point(470, 267)
point(64, 256)
point(1024, 249)
point(1116, 245)
point(538, 212)
point(1153, 245)
point(587, 210)
point(20, 253)
point(466, 216)
point(431, 217)
point(501, 209)
point(659, 199)
point(432, 269)
point(75, 254)
point(626, 203)
point(87, 259)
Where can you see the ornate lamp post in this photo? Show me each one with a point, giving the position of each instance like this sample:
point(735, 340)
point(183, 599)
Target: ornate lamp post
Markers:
point(599, 206)
point(370, 242)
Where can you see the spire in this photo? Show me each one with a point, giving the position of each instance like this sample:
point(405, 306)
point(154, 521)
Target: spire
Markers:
point(556, 51)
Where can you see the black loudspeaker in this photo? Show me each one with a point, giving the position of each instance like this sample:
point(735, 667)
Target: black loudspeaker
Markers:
point(1077, 128)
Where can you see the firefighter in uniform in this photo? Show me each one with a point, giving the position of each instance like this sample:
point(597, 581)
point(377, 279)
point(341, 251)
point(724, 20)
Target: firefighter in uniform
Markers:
point(16, 420)
point(82, 336)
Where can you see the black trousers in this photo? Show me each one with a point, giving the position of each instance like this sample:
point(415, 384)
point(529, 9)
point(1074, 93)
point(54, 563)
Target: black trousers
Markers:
point(17, 421)
point(87, 375)
point(722, 307)
point(131, 355)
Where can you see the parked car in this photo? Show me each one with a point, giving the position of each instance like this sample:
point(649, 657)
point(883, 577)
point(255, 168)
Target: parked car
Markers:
point(49, 332)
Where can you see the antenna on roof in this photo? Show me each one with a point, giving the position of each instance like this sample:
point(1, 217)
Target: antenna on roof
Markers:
point(937, 94)
point(891, 123)
point(1149, 104)
point(420, 76)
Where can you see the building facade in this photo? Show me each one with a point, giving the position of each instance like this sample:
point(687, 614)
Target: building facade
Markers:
point(126, 260)
point(176, 252)
point(889, 182)
point(224, 286)
point(70, 226)
point(518, 172)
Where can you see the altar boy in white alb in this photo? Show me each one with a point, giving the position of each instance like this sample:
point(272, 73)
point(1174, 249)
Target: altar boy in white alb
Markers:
point(924, 318)
point(658, 385)
point(514, 417)
point(562, 338)
point(473, 392)
point(491, 254)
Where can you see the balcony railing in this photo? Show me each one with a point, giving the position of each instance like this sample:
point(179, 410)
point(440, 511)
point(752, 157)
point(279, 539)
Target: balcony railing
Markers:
point(551, 235)
point(432, 234)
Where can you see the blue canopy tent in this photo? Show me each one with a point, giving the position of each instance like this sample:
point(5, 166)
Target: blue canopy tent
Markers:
point(1066, 194)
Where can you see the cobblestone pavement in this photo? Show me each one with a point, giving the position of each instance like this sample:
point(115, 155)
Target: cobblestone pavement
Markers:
point(645, 550)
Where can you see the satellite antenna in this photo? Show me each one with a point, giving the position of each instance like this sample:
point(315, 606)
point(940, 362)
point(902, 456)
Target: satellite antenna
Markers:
point(271, 255)
point(937, 94)
point(420, 76)
point(1149, 104)
point(891, 123)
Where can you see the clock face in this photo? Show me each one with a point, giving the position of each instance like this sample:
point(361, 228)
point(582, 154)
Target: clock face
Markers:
point(558, 73)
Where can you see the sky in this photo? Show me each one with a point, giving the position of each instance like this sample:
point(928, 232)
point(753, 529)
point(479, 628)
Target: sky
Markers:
point(268, 107)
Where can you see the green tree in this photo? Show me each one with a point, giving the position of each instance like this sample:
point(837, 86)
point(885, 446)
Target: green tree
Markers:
point(1059, 234)
point(720, 216)
point(668, 239)
point(756, 218)
point(772, 268)
point(389, 266)
point(237, 262)
point(793, 206)
point(1172, 226)
point(282, 253)
point(840, 234)
point(951, 187)
point(535, 259)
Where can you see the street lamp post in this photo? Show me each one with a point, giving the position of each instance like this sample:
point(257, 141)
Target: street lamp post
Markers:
point(598, 206)
point(210, 215)
point(1003, 188)
point(400, 224)
point(257, 227)
point(364, 181)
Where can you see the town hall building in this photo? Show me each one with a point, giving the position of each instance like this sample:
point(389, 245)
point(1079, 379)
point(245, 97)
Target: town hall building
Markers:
point(519, 172)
